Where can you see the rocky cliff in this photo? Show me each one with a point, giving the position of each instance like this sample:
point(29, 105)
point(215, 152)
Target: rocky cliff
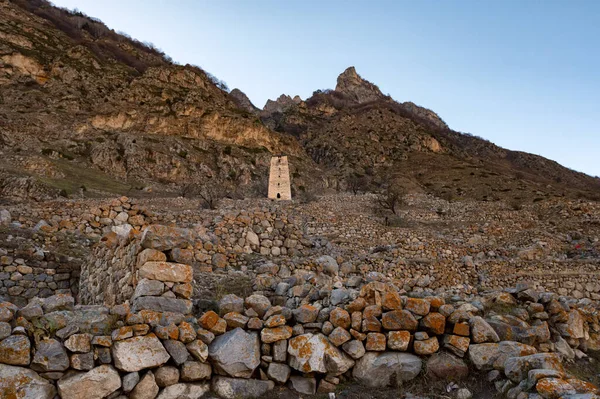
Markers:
point(76, 96)
point(85, 110)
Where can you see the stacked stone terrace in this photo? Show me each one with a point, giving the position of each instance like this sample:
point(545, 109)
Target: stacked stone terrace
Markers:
point(154, 345)
point(240, 303)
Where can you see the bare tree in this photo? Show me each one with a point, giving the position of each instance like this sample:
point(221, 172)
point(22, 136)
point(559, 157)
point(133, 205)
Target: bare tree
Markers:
point(390, 199)
point(211, 194)
point(356, 184)
point(188, 190)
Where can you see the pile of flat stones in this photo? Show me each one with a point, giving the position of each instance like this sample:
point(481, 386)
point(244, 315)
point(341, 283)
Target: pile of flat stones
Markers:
point(153, 347)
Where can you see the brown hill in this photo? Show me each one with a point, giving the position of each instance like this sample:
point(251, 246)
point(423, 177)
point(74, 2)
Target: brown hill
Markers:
point(355, 130)
point(85, 108)
point(81, 105)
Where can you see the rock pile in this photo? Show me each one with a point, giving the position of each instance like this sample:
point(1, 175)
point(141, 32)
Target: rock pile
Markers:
point(155, 347)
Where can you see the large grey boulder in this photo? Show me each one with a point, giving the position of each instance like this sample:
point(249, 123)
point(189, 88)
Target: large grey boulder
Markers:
point(184, 391)
point(492, 356)
point(50, 355)
point(162, 304)
point(164, 238)
point(97, 383)
point(231, 303)
point(23, 383)
point(279, 372)
point(239, 388)
point(235, 353)
point(517, 368)
point(177, 350)
point(138, 353)
point(15, 350)
point(147, 287)
point(58, 302)
point(379, 370)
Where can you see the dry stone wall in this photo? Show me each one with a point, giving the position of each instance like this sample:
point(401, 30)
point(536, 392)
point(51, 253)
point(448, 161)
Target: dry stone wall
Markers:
point(154, 347)
point(157, 344)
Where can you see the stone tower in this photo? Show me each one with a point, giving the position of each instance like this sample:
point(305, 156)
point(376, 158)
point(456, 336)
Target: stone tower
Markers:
point(279, 179)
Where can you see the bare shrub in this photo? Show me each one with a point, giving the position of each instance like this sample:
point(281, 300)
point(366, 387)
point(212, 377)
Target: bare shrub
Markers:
point(391, 198)
point(355, 184)
point(211, 194)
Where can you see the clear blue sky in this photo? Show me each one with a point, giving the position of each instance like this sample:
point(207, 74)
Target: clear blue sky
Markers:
point(524, 74)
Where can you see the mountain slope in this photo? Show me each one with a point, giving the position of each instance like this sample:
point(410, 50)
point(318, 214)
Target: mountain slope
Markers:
point(71, 89)
point(355, 130)
point(85, 108)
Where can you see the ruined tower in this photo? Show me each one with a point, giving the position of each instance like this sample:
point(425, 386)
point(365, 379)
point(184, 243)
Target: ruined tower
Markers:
point(279, 179)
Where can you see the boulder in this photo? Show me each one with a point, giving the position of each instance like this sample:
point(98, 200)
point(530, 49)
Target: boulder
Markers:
point(50, 355)
point(270, 335)
point(279, 372)
point(23, 383)
point(195, 371)
point(129, 381)
point(184, 391)
point(15, 350)
point(445, 366)
point(340, 318)
point(398, 340)
point(147, 287)
point(97, 383)
point(517, 368)
point(314, 353)
point(166, 271)
point(305, 385)
point(162, 304)
point(399, 320)
point(79, 343)
point(231, 303)
point(492, 356)
point(177, 350)
point(147, 388)
point(427, 346)
point(235, 353)
point(240, 388)
point(164, 238)
point(417, 306)
point(481, 331)
point(354, 348)
point(306, 314)
point(138, 353)
point(378, 370)
point(58, 302)
point(259, 303)
point(198, 349)
point(166, 376)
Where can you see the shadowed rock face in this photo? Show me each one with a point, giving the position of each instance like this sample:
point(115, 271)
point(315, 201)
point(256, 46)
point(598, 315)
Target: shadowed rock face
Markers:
point(242, 101)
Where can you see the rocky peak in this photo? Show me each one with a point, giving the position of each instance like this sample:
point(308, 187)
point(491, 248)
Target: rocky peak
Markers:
point(354, 86)
point(242, 101)
point(283, 103)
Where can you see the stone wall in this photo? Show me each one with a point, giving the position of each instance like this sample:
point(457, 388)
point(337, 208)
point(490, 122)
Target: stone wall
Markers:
point(155, 347)
point(27, 270)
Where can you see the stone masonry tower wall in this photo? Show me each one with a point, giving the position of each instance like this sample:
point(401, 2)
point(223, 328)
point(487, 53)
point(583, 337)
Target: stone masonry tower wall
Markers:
point(279, 179)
